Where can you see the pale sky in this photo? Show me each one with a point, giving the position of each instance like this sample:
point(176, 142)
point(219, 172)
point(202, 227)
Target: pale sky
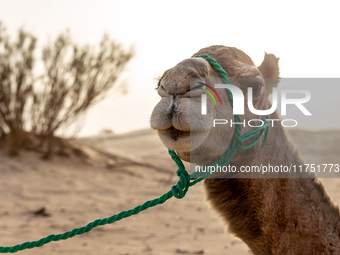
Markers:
point(304, 34)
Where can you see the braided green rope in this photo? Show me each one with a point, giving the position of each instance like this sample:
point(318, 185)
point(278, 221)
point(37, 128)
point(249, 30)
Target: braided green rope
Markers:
point(179, 190)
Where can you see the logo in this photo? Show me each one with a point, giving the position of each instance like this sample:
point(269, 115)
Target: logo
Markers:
point(204, 96)
point(238, 99)
point(280, 97)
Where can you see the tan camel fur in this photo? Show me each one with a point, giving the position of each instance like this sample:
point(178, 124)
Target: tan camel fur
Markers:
point(278, 216)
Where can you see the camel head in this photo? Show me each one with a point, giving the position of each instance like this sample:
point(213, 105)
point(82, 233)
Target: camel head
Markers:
point(177, 117)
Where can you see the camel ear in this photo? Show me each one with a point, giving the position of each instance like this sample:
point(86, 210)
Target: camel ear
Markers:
point(270, 70)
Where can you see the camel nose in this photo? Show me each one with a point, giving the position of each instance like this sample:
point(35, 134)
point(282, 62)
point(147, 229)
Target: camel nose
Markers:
point(173, 105)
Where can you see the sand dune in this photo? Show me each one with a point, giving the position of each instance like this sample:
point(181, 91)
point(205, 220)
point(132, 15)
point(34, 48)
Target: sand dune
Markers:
point(74, 193)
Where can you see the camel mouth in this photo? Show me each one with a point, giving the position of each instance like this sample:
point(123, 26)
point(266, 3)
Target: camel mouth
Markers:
point(181, 141)
point(176, 134)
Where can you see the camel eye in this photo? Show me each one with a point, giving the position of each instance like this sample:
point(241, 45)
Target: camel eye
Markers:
point(161, 87)
point(258, 86)
point(162, 91)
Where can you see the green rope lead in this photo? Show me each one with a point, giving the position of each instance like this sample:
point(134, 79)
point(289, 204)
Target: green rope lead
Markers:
point(179, 190)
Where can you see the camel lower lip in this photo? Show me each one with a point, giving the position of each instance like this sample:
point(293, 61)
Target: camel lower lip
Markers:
point(176, 134)
point(182, 141)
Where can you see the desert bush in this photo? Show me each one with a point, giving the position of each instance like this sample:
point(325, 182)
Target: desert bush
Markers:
point(16, 84)
point(72, 78)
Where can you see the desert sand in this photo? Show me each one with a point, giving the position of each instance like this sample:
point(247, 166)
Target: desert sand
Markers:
point(38, 198)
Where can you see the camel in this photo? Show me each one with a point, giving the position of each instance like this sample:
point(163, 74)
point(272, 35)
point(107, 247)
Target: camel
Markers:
point(271, 215)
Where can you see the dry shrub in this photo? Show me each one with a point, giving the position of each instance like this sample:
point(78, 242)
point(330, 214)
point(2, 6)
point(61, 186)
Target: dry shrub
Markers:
point(72, 79)
point(16, 85)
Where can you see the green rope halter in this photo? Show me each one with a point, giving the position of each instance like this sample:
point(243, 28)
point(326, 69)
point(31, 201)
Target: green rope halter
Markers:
point(179, 190)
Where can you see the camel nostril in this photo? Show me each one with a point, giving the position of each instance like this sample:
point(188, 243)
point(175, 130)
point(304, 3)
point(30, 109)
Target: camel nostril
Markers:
point(173, 106)
point(170, 111)
point(169, 108)
point(176, 104)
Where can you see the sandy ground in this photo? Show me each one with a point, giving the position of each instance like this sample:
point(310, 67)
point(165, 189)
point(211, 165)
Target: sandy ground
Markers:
point(74, 193)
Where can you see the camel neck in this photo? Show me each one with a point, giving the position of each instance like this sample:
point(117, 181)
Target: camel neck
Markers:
point(276, 215)
point(278, 149)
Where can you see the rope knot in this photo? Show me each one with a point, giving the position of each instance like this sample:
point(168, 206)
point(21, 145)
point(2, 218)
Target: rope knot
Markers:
point(180, 189)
